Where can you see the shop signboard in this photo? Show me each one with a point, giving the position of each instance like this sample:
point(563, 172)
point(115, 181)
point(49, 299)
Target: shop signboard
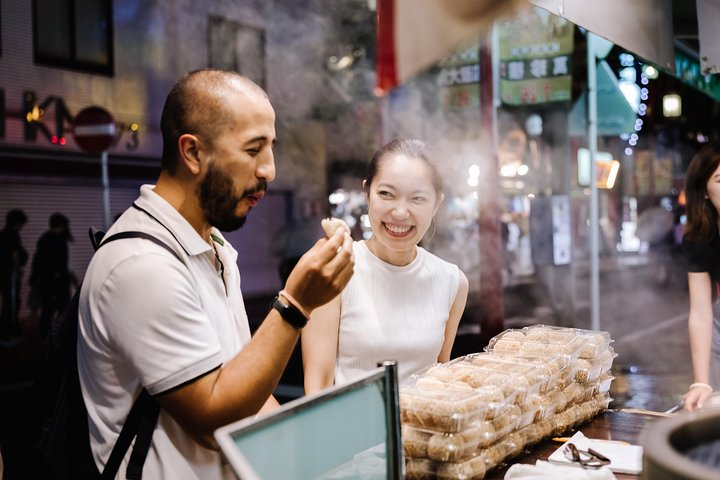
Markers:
point(535, 58)
point(688, 70)
point(459, 80)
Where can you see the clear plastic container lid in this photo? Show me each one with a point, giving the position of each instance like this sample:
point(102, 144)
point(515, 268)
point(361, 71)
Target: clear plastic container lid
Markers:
point(551, 370)
point(586, 371)
point(449, 407)
point(592, 342)
point(595, 343)
point(448, 447)
point(535, 374)
point(425, 469)
point(537, 340)
point(603, 383)
point(512, 387)
point(605, 359)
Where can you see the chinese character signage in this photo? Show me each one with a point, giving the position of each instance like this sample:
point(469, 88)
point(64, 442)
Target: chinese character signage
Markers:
point(459, 80)
point(535, 54)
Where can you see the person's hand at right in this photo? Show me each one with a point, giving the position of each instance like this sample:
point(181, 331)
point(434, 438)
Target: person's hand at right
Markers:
point(696, 396)
point(322, 273)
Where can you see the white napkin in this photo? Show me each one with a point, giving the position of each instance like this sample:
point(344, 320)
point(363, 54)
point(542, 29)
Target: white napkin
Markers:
point(543, 470)
point(623, 458)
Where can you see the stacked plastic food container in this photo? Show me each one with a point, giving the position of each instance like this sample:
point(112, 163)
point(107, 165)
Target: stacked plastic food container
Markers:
point(465, 417)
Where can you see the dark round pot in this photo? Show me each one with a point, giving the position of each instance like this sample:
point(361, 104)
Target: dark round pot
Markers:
point(684, 447)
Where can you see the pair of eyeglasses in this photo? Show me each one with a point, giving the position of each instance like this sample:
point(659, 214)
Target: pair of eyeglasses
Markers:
point(586, 458)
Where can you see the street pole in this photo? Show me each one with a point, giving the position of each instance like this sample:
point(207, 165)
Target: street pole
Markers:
point(594, 221)
point(106, 189)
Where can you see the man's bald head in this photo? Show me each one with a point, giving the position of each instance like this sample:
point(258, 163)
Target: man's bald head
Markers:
point(197, 104)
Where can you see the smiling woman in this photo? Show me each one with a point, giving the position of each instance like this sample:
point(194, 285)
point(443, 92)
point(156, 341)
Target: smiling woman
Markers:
point(402, 303)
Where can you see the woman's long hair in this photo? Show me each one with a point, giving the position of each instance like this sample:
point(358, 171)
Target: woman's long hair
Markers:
point(702, 216)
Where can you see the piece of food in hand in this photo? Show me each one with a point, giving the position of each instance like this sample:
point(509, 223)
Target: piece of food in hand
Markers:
point(330, 225)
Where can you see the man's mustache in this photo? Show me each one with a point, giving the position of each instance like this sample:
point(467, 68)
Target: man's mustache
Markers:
point(260, 187)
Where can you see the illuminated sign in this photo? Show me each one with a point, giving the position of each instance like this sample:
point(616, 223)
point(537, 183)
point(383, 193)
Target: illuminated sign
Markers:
point(535, 58)
point(38, 122)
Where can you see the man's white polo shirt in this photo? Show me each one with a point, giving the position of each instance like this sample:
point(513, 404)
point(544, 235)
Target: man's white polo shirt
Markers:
point(147, 319)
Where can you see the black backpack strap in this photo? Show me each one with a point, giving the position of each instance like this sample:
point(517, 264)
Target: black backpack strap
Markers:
point(146, 236)
point(143, 415)
point(145, 410)
point(143, 441)
point(139, 208)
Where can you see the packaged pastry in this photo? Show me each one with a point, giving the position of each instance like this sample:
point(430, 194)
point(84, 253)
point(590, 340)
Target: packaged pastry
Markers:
point(447, 410)
point(586, 371)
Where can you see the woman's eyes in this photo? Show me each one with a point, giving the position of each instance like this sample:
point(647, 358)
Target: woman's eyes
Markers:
point(389, 195)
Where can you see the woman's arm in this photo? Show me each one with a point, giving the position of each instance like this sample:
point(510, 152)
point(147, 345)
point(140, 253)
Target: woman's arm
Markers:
point(700, 325)
point(456, 311)
point(319, 341)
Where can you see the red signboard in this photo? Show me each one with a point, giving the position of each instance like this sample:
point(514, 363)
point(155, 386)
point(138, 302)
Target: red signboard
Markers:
point(94, 129)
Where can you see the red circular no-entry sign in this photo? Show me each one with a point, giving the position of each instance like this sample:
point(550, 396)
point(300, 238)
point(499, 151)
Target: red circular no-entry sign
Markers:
point(94, 129)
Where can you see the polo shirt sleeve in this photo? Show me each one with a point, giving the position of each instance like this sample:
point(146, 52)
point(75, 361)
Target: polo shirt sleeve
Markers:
point(153, 319)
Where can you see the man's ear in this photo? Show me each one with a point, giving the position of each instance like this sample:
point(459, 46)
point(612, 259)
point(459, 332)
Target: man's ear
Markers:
point(190, 150)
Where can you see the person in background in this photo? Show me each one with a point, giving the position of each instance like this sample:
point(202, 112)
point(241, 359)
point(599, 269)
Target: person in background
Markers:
point(297, 237)
point(403, 303)
point(13, 258)
point(701, 250)
point(179, 329)
point(50, 276)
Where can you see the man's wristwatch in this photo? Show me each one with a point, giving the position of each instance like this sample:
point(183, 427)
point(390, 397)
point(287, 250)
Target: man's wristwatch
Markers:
point(289, 312)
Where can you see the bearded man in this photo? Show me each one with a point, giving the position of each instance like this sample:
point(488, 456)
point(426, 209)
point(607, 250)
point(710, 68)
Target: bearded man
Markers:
point(178, 329)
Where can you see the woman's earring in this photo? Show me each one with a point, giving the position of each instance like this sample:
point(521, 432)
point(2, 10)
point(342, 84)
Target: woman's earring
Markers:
point(434, 225)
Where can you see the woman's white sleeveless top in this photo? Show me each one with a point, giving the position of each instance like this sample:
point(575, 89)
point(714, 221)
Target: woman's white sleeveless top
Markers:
point(394, 313)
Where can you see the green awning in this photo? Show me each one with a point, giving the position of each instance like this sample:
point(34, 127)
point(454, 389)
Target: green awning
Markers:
point(615, 115)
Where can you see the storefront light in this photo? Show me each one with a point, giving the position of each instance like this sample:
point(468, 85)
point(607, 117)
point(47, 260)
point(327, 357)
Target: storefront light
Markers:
point(508, 171)
point(672, 105)
point(650, 71)
point(474, 171)
point(337, 198)
point(472, 181)
point(522, 170)
point(612, 175)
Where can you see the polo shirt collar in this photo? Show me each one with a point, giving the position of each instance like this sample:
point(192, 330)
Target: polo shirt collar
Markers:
point(189, 239)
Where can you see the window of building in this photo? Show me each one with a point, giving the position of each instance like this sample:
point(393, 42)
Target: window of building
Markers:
point(75, 34)
point(238, 47)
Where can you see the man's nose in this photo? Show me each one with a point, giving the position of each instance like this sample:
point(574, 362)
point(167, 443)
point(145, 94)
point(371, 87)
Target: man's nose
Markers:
point(266, 168)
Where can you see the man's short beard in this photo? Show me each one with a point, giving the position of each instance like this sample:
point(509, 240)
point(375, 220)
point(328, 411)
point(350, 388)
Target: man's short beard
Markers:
point(218, 202)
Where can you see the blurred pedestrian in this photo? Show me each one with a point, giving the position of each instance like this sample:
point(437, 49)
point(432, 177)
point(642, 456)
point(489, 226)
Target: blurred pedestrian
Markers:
point(13, 258)
point(295, 238)
point(51, 277)
point(701, 249)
